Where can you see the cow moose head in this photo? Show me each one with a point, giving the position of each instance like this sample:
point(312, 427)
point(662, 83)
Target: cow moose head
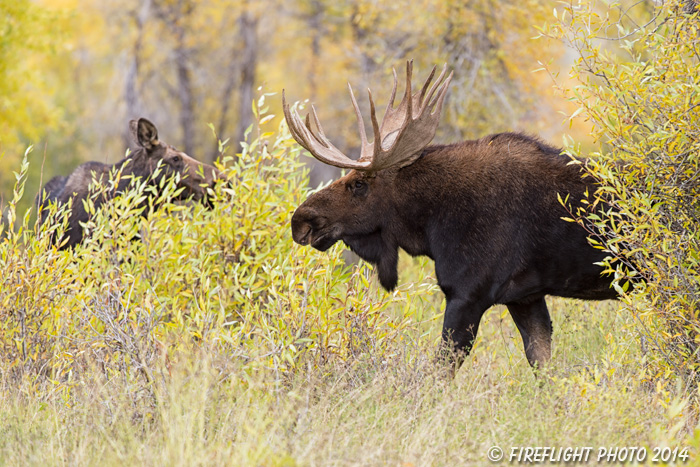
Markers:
point(194, 177)
point(152, 161)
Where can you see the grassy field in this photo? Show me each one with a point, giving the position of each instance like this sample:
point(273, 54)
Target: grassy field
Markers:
point(216, 340)
point(398, 410)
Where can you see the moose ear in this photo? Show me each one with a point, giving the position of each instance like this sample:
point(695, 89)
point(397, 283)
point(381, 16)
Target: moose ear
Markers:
point(144, 133)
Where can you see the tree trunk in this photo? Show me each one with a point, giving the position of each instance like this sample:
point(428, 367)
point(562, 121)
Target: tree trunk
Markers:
point(184, 90)
point(248, 25)
point(131, 92)
point(229, 87)
point(175, 16)
point(315, 25)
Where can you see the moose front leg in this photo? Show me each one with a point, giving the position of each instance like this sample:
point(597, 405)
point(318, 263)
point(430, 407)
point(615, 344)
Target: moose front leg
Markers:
point(462, 318)
point(535, 326)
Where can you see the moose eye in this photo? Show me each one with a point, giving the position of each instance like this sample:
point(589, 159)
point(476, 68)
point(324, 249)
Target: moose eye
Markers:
point(359, 188)
point(176, 159)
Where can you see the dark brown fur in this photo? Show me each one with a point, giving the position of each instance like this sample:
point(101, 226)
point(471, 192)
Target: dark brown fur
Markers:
point(487, 213)
point(195, 177)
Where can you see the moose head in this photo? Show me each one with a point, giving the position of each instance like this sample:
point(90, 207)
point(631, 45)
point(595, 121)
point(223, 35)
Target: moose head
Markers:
point(193, 176)
point(356, 207)
point(152, 161)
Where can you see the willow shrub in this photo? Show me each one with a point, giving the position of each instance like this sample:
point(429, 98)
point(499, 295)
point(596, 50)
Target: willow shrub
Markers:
point(152, 285)
point(640, 88)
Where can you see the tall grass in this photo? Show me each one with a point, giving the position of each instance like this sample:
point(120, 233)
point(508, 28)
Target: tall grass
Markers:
point(398, 410)
point(214, 339)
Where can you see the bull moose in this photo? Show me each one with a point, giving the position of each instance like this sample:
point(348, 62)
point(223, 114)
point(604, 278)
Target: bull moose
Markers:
point(486, 212)
point(152, 161)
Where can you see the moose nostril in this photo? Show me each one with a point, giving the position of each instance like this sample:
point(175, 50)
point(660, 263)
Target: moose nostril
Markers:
point(301, 234)
point(301, 229)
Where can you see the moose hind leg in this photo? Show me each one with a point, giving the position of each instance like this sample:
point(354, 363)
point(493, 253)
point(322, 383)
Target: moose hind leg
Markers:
point(535, 326)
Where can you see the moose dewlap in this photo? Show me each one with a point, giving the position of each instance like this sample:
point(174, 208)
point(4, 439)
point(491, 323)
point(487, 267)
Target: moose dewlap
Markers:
point(486, 212)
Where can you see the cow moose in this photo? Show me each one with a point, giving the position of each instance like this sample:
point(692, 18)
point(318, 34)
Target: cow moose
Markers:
point(486, 212)
point(152, 161)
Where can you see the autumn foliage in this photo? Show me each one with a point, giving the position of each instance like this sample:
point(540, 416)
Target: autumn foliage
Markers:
point(643, 100)
point(227, 280)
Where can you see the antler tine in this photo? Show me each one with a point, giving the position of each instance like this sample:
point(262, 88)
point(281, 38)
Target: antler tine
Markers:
point(437, 84)
point(320, 138)
point(425, 87)
point(440, 98)
point(318, 145)
point(360, 120)
point(293, 121)
point(395, 118)
point(303, 130)
point(375, 126)
point(390, 105)
point(321, 135)
point(287, 113)
point(403, 135)
point(307, 124)
point(296, 127)
point(296, 124)
point(293, 129)
point(407, 95)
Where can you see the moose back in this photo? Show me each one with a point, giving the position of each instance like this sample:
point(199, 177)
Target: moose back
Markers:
point(152, 161)
point(486, 211)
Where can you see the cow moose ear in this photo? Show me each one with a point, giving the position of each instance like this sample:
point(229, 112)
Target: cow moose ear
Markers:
point(144, 133)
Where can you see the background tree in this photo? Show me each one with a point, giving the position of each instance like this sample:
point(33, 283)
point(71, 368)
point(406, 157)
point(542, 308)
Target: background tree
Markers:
point(187, 63)
point(33, 63)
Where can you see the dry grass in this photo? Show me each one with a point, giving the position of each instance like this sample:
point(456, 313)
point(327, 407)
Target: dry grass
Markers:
point(397, 411)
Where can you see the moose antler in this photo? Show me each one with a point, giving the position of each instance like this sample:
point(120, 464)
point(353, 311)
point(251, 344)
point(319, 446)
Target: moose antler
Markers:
point(404, 132)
